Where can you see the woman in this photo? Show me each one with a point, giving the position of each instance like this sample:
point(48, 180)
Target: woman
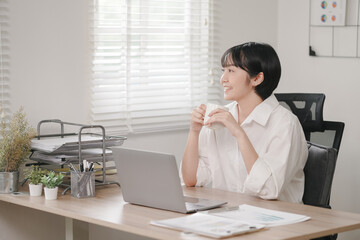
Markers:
point(262, 149)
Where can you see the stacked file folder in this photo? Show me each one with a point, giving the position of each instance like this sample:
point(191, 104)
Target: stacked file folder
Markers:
point(64, 150)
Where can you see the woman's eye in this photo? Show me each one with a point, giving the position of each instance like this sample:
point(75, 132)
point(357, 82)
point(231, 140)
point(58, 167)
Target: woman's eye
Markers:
point(228, 70)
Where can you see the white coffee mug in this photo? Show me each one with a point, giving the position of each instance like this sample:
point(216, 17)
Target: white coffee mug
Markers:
point(209, 108)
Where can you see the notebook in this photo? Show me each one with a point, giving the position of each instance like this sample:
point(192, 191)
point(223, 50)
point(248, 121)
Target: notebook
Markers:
point(152, 179)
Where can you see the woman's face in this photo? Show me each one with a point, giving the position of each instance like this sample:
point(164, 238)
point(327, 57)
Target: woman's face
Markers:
point(236, 83)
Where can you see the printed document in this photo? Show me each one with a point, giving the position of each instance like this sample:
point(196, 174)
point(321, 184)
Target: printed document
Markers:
point(208, 225)
point(65, 144)
point(257, 215)
point(230, 221)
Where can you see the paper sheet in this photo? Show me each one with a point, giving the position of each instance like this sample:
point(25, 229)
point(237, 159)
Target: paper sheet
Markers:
point(209, 225)
point(225, 222)
point(63, 145)
point(257, 215)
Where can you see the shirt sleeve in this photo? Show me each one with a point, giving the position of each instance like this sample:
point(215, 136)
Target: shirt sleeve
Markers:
point(285, 155)
point(203, 175)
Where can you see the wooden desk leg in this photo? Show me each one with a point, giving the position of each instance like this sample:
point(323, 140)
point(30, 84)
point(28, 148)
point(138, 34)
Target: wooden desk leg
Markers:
point(69, 231)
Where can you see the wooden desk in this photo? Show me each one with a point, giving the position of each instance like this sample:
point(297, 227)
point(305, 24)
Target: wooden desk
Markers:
point(109, 210)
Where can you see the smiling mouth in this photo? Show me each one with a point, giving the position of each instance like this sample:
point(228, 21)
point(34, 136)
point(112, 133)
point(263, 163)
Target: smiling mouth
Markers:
point(226, 89)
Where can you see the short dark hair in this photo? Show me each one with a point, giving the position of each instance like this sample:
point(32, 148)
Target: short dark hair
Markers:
point(255, 58)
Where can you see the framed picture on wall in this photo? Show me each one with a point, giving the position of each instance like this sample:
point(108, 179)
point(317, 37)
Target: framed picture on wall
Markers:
point(328, 12)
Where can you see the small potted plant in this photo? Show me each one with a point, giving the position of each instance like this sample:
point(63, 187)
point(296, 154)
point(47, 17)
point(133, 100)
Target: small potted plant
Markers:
point(15, 140)
point(51, 182)
point(34, 176)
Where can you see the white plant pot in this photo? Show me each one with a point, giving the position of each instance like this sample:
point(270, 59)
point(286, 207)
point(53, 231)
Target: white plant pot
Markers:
point(35, 190)
point(51, 193)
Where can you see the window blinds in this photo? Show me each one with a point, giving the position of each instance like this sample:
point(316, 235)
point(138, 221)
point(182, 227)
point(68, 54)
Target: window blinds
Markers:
point(152, 63)
point(4, 61)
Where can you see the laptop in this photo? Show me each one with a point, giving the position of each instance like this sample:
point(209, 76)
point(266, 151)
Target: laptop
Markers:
point(152, 179)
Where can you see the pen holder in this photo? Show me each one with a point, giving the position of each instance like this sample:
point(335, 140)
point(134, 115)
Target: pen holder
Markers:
point(82, 184)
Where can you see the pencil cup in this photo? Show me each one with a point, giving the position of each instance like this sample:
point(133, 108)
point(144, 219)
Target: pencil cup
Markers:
point(82, 184)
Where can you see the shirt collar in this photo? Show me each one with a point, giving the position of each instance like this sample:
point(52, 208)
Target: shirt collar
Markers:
point(262, 112)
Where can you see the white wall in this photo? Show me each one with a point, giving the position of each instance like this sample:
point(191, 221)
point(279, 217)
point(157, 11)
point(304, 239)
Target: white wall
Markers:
point(339, 79)
point(50, 67)
point(246, 20)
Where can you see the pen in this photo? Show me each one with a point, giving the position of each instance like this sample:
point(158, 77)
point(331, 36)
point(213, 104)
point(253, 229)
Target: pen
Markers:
point(91, 167)
point(86, 165)
point(72, 167)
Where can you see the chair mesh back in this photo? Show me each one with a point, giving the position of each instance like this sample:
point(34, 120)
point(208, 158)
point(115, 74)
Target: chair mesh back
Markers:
point(308, 107)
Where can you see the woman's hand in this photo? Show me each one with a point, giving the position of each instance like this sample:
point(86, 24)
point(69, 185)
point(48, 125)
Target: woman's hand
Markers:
point(246, 148)
point(226, 118)
point(197, 118)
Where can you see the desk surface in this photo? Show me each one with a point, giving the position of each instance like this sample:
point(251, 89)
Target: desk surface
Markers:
point(109, 210)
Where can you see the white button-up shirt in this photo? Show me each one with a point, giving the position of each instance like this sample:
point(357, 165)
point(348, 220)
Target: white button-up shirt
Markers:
point(279, 141)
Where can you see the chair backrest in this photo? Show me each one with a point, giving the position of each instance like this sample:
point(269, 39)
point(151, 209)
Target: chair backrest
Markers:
point(319, 171)
point(338, 129)
point(308, 107)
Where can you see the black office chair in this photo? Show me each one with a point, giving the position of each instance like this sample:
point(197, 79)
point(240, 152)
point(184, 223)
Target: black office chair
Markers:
point(308, 107)
point(320, 166)
point(319, 172)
